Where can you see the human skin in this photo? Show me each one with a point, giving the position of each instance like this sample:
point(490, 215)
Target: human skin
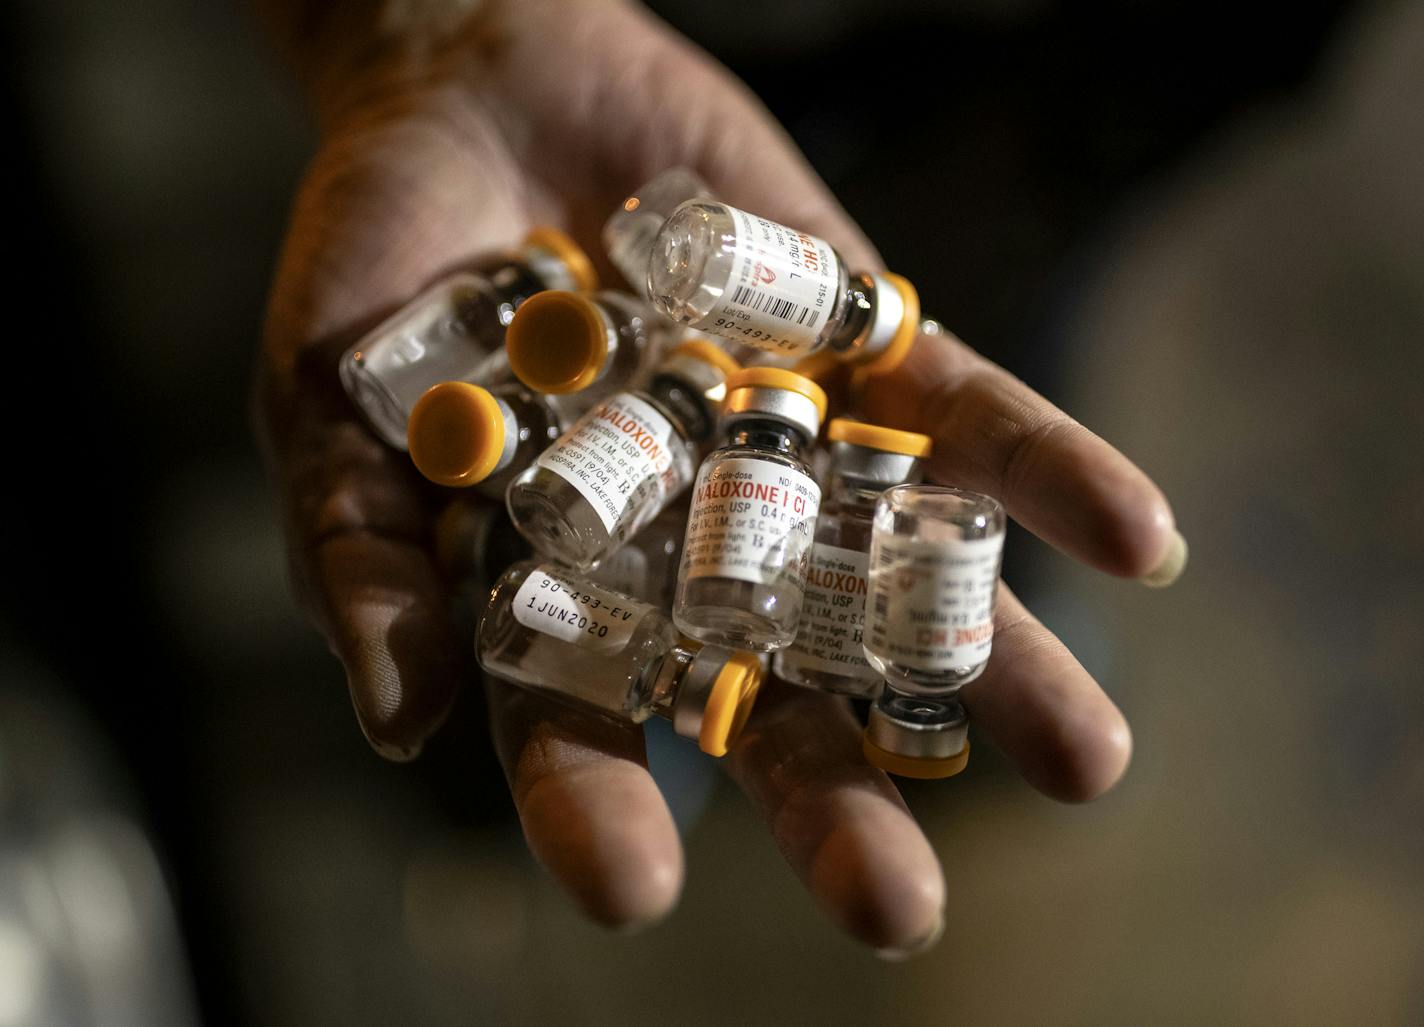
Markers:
point(447, 130)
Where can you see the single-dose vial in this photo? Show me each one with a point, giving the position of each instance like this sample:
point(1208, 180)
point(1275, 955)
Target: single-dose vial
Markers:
point(729, 273)
point(623, 461)
point(828, 651)
point(600, 649)
point(463, 435)
point(934, 574)
point(753, 516)
point(594, 344)
point(629, 232)
point(916, 736)
point(645, 567)
point(454, 331)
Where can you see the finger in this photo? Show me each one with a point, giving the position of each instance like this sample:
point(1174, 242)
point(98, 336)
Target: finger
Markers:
point(360, 564)
point(839, 822)
point(385, 616)
point(591, 813)
point(749, 159)
point(397, 196)
point(669, 104)
point(993, 434)
point(1045, 712)
point(385, 207)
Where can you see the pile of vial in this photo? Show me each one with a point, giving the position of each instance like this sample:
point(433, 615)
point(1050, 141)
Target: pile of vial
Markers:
point(657, 452)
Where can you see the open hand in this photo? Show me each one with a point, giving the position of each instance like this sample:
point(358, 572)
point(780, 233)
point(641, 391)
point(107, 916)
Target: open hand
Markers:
point(445, 140)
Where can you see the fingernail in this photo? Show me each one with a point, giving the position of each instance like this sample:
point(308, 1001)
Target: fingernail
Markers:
point(1171, 566)
point(899, 955)
point(395, 753)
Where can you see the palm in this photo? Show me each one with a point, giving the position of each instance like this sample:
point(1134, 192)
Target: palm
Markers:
point(553, 119)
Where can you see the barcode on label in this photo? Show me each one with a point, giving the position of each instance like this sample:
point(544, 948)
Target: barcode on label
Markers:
point(766, 303)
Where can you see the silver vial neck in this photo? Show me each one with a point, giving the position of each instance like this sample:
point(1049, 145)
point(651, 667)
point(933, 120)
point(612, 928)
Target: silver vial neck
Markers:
point(693, 692)
point(886, 318)
point(511, 434)
point(872, 466)
point(772, 404)
point(921, 729)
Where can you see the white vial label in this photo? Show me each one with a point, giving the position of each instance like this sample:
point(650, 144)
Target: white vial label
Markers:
point(751, 520)
point(829, 636)
point(586, 615)
point(619, 455)
point(781, 290)
point(933, 602)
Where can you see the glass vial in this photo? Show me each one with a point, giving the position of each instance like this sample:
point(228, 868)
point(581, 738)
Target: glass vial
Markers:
point(600, 649)
point(732, 274)
point(454, 331)
point(645, 567)
point(934, 574)
point(595, 345)
point(753, 515)
point(828, 653)
point(462, 435)
point(622, 462)
point(916, 736)
point(629, 232)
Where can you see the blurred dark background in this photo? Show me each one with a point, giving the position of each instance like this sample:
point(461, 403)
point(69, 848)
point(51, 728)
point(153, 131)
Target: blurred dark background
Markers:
point(1198, 227)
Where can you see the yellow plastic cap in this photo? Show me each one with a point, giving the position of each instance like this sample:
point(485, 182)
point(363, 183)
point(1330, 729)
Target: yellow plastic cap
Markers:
point(909, 766)
point(777, 378)
point(710, 353)
point(818, 365)
point(894, 354)
point(570, 253)
point(456, 434)
point(557, 342)
point(887, 440)
point(729, 704)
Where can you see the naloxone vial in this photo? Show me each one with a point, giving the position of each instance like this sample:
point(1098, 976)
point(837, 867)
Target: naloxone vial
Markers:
point(934, 573)
point(595, 344)
point(623, 461)
point(729, 273)
point(645, 567)
point(828, 651)
point(454, 331)
point(462, 435)
point(753, 516)
point(602, 650)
